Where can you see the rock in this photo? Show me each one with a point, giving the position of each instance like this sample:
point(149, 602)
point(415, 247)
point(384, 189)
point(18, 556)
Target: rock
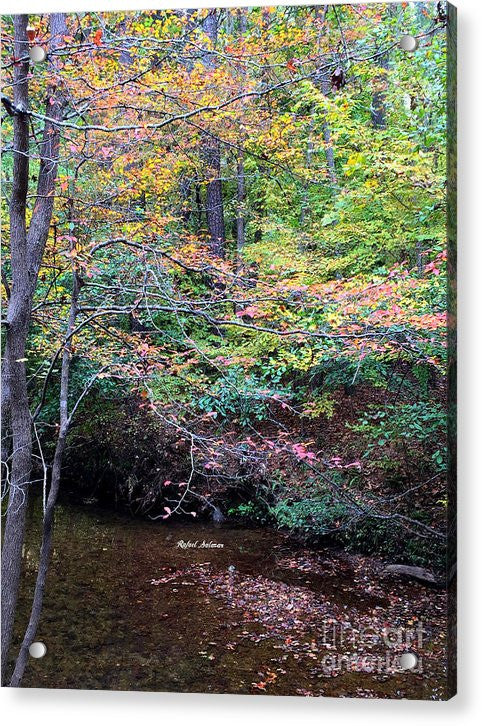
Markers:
point(217, 516)
point(410, 572)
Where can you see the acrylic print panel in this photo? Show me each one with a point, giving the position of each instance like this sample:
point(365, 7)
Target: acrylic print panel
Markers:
point(228, 380)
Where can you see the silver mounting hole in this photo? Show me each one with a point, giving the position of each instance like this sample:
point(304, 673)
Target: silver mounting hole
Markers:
point(37, 54)
point(408, 661)
point(408, 43)
point(37, 649)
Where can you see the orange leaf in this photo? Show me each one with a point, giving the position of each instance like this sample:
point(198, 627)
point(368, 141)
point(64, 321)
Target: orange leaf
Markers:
point(98, 37)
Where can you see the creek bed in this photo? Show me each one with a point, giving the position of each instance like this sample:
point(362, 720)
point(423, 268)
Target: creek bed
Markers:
point(140, 605)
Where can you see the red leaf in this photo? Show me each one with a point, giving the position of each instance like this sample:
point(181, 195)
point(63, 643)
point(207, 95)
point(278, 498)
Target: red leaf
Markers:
point(249, 312)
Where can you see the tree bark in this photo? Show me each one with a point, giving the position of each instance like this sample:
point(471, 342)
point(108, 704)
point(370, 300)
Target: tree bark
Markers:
point(15, 409)
point(26, 251)
point(211, 153)
point(241, 195)
point(240, 177)
point(308, 156)
point(325, 84)
point(378, 110)
point(48, 522)
point(329, 152)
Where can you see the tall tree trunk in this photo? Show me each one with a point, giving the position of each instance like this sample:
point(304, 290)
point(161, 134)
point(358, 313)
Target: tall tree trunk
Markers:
point(26, 251)
point(240, 177)
point(214, 198)
point(329, 151)
point(308, 156)
point(378, 110)
point(14, 380)
point(48, 521)
point(199, 206)
point(211, 153)
point(240, 198)
point(325, 85)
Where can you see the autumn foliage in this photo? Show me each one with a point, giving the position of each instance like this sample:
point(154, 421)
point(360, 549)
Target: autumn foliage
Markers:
point(280, 355)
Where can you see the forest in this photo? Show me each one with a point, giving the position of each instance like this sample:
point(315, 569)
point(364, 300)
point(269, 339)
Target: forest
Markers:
point(224, 278)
